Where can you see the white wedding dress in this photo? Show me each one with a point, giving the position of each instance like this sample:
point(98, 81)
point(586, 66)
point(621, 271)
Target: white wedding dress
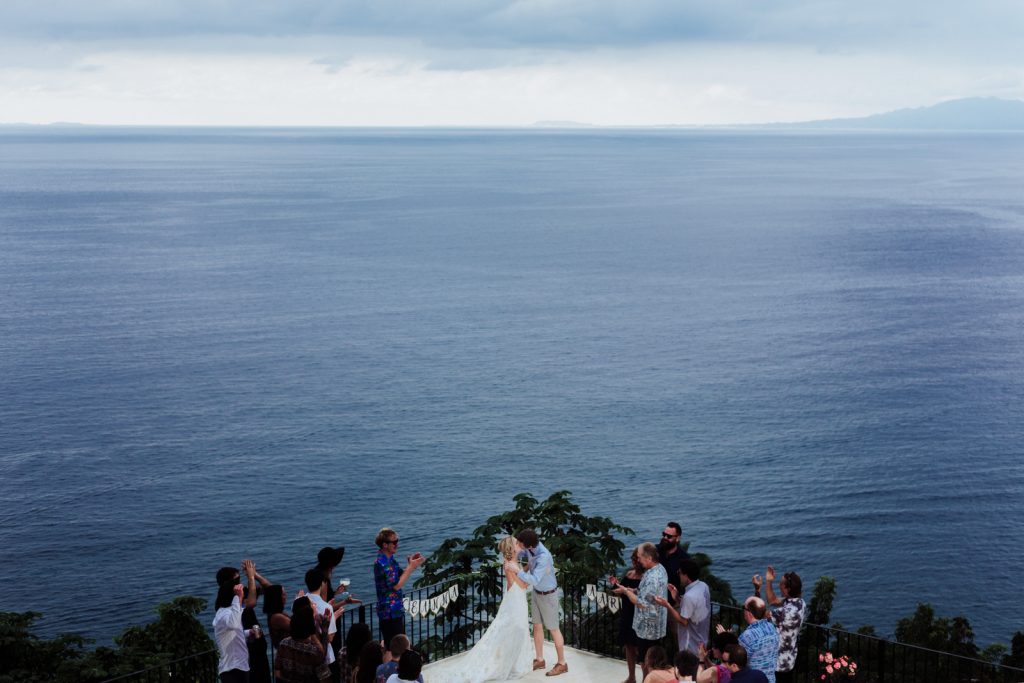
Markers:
point(504, 652)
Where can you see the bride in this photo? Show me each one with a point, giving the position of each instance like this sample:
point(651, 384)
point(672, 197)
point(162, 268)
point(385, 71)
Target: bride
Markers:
point(505, 651)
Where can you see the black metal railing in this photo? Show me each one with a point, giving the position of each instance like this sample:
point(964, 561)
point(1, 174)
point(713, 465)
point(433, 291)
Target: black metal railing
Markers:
point(445, 619)
point(879, 660)
point(198, 668)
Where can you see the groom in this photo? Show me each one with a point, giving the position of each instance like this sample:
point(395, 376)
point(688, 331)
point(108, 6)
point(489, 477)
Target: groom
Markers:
point(540, 574)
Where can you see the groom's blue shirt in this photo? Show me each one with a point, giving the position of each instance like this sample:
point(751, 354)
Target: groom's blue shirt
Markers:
point(540, 570)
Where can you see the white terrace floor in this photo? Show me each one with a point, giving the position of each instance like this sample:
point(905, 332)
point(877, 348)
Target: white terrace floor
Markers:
point(584, 667)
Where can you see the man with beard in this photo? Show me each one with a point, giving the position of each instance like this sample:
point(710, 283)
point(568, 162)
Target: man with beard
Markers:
point(669, 556)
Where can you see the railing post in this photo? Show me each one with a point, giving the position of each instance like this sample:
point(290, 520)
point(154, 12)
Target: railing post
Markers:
point(881, 661)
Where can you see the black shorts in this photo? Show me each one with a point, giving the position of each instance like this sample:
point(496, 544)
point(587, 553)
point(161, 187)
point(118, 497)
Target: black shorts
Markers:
point(642, 646)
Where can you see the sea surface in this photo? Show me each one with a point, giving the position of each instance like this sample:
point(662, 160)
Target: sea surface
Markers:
point(807, 348)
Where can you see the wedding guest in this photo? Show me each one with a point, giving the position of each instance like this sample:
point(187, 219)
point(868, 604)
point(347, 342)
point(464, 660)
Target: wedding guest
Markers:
point(399, 646)
point(358, 635)
point(716, 670)
point(300, 656)
point(409, 668)
point(327, 561)
point(787, 613)
point(659, 669)
point(251, 592)
point(627, 636)
point(760, 640)
point(687, 666)
point(741, 672)
point(370, 657)
point(670, 554)
point(233, 662)
point(693, 618)
point(650, 618)
point(259, 665)
point(278, 621)
point(318, 586)
point(389, 578)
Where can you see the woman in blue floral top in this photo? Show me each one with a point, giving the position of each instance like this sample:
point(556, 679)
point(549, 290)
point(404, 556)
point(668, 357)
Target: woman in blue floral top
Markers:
point(389, 579)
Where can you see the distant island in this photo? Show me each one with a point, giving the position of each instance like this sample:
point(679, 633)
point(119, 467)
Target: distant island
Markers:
point(969, 114)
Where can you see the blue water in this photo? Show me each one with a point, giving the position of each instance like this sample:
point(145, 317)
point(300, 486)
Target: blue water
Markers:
point(216, 344)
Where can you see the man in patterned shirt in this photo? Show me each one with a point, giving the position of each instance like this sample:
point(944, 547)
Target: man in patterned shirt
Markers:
point(787, 613)
point(761, 638)
point(389, 579)
point(649, 618)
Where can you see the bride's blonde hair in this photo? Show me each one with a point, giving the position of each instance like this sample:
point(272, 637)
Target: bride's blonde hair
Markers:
point(507, 547)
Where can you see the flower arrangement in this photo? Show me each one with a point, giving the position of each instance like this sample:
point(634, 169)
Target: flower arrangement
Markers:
point(837, 668)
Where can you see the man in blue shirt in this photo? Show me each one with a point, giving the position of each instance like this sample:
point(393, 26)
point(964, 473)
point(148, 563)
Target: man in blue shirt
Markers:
point(761, 638)
point(741, 673)
point(540, 575)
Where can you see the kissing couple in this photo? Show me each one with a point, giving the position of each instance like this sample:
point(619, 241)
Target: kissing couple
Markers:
point(503, 651)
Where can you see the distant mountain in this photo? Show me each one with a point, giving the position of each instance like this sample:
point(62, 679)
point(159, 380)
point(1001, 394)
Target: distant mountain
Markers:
point(561, 124)
point(975, 113)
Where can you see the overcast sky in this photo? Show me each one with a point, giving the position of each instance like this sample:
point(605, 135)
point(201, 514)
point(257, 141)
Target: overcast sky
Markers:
point(498, 62)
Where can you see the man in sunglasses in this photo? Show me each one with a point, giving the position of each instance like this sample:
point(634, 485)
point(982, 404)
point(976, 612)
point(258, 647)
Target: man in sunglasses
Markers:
point(669, 556)
point(389, 578)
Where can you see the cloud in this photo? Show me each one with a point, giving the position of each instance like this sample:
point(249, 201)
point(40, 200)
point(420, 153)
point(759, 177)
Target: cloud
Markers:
point(984, 26)
point(497, 62)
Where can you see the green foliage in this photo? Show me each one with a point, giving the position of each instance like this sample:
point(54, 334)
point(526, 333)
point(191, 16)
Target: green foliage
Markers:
point(584, 548)
point(820, 608)
point(176, 633)
point(995, 653)
point(28, 658)
point(1016, 656)
point(946, 634)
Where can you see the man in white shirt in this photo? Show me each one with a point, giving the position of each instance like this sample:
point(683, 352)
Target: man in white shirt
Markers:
point(694, 614)
point(319, 585)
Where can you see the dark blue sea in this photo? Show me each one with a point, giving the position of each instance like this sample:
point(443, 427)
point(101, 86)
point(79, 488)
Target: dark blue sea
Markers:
point(807, 348)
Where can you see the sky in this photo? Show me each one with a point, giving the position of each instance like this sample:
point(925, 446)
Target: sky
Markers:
point(498, 62)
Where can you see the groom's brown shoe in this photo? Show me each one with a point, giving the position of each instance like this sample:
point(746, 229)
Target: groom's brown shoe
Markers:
point(558, 669)
point(539, 664)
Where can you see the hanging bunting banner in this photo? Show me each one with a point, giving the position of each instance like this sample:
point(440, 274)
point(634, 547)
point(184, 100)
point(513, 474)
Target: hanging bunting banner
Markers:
point(435, 604)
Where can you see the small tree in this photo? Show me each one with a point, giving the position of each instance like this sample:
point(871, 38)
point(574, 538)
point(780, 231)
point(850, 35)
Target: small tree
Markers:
point(584, 548)
point(175, 634)
point(1016, 656)
point(946, 634)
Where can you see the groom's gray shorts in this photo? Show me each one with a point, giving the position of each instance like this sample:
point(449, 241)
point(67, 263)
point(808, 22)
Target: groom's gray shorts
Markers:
point(544, 610)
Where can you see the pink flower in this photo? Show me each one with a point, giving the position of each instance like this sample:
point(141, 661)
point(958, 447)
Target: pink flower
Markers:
point(828, 669)
point(822, 676)
point(821, 658)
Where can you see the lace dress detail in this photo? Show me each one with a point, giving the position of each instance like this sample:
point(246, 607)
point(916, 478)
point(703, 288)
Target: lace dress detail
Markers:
point(504, 652)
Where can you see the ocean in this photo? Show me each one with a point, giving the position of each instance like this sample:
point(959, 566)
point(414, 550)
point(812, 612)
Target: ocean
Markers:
point(223, 343)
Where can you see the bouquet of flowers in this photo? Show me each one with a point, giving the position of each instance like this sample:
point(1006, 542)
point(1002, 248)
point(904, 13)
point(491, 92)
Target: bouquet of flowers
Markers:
point(837, 668)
